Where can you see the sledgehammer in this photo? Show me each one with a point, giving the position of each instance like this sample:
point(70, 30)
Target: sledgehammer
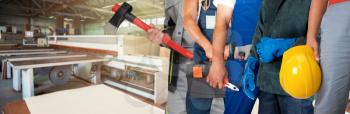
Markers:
point(124, 12)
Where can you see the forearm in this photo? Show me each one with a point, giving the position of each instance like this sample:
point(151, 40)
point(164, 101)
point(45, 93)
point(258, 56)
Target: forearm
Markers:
point(223, 19)
point(317, 9)
point(220, 36)
point(196, 34)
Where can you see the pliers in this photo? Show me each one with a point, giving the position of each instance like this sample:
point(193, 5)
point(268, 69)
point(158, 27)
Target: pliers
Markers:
point(230, 85)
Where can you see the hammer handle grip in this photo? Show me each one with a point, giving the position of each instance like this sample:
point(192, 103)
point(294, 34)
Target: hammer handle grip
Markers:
point(173, 45)
point(138, 22)
point(166, 40)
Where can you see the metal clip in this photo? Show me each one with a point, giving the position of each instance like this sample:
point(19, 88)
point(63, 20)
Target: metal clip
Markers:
point(232, 87)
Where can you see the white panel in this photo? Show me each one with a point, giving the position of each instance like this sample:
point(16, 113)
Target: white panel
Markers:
point(16, 80)
point(28, 83)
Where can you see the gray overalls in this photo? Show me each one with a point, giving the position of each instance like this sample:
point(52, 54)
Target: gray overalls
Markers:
point(180, 67)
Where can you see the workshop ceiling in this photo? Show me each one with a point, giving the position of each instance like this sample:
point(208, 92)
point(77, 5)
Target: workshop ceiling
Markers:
point(87, 9)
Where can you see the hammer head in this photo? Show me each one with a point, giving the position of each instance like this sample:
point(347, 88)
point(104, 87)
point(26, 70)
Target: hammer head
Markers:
point(120, 13)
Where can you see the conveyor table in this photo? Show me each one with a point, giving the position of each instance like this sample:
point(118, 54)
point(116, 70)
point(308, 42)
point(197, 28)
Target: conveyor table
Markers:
point(26, 68)
point(17, 78)
point(8, 53)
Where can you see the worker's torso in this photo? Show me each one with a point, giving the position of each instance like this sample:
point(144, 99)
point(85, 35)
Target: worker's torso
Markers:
point(198, 87)
point(281, 19)
point(206, 23)
point(285, 18)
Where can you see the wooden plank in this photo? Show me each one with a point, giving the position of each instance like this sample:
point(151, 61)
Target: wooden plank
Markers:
point(85, 50)
point(31, 53)
point(34, 55)
point(24, 50)
point(53, 62)
point(40, 57)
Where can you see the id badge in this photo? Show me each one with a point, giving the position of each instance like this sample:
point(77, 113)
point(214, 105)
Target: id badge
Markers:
point(210, 22)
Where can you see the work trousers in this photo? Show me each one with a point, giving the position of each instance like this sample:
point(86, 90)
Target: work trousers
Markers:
point(270, 103)
point(205, 105)
point(335, 60)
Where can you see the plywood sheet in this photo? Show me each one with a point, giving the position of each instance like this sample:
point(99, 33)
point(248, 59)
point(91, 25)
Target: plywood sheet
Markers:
point(98, 99)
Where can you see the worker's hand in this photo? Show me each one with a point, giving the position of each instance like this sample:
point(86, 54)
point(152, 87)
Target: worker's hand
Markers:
point(216, 75)
point(271, 48)
point(155, 35)
point(208, 51)
point(312, 41)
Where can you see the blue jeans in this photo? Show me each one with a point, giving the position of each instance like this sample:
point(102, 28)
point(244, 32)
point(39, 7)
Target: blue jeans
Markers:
point(282, 104)
point(198, 105)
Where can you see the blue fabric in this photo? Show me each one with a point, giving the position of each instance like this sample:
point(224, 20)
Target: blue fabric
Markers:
point(269, 49)
point(198, 105)
point(243, 24)
point(235, 70)
point(236, 102)
point(244, 20)
point(251, 69)
point(282, 104)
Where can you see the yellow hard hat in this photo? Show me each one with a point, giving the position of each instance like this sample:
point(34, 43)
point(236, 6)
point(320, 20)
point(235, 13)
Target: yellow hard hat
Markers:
point(300, 74)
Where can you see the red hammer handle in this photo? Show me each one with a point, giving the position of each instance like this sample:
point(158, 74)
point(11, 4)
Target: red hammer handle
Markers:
point(166, 40)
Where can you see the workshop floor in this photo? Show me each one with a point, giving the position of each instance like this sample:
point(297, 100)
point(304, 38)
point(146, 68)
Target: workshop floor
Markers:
point(8, 95)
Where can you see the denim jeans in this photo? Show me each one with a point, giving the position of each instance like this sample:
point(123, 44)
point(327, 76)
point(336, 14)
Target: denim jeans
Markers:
point(198, 105)
point(281, 104)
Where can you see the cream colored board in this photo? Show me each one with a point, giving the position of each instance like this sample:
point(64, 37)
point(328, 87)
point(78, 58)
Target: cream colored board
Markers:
point(98, 99)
